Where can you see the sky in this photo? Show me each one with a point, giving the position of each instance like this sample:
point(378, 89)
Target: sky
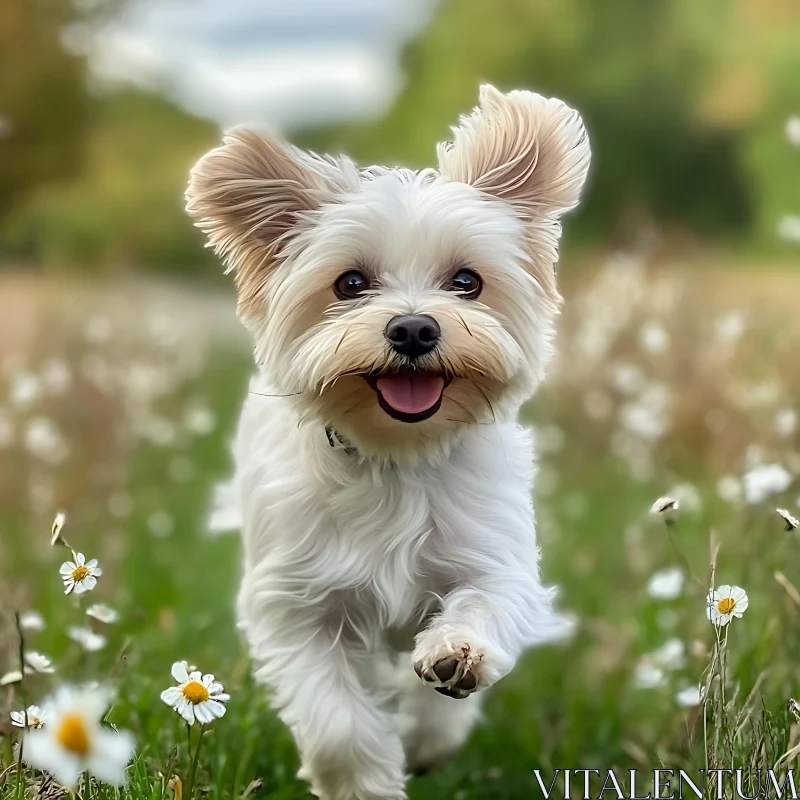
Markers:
point(285, 63)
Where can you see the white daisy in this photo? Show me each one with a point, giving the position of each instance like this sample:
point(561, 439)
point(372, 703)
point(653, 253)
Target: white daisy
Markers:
point(648, 676)
point(670, 656)
point(690, 697)
point(35, 718)
point(765, 480)
point(87, 639)
point(666, 584)
point(725, 603)
point(793, 130)
point(15, 676)
point(790, 521)
point(36, 662)
point(664, 506)
point(102, 613)
point(31, 621)
point(196, 697)
point(79, 575)
point(58, 526)
point(73, 740)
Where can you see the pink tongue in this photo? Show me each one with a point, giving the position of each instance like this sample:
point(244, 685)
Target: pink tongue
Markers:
point(411, 392)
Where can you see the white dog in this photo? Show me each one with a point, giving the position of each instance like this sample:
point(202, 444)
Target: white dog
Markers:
point(382, 482)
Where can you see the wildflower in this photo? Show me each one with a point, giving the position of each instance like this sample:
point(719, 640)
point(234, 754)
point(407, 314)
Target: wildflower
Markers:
point(790, 521)
point(666, 584)
point(670, 656)
point(628, 378)
point(24, 389)
point(87, 639)
point(789, 228)
point(102, 613)
point(729, 488)
point(79, 575)
point(73, 740)
point(725, 603)
point(31, 621)
point(690, 696)
point(653, 337)
point(648, 676)
point(34, 715)
point(664, 506)
point(58, 526)
point(785, 422)
point(730, 327)
point(36, 662)
point(56, 376)
point(793, 130)
point(15, 676)
point(765, 480)
point(195, 697)
point(44, 441)
point(200, 421)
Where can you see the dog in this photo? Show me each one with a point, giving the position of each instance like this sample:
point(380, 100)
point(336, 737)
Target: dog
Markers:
point(383, 487)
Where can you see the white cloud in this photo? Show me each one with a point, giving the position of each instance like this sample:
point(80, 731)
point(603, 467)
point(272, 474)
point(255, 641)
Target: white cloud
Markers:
point(271, 62)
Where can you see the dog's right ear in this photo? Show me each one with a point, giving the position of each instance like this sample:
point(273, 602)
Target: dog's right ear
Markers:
point(248, 195)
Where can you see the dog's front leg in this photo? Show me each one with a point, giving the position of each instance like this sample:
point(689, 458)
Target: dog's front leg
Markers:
point(482, 629)
point(348, 744)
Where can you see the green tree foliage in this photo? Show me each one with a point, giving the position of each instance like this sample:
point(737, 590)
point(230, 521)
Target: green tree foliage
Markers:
point(126, 206)
point(43, 105)
point(634, 69)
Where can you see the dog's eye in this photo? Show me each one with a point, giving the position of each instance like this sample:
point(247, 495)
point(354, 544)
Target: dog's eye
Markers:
point(351, 284)
point(467, 283)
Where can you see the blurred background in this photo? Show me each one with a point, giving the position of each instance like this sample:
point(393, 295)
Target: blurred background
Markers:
point(105, 104)
point(122, 365)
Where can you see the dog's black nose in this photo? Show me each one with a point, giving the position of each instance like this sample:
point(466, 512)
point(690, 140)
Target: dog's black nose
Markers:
point(413, 335)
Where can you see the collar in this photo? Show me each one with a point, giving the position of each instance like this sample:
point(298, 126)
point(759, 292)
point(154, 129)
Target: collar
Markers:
point(338, 442)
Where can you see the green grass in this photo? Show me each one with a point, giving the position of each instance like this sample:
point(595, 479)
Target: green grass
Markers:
point(573, 705)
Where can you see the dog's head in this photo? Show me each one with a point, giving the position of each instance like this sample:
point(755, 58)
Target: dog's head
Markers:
point(399, 306)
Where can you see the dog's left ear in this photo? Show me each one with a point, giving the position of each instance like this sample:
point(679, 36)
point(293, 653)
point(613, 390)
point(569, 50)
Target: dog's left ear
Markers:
point(248, 196)
point(520, 147)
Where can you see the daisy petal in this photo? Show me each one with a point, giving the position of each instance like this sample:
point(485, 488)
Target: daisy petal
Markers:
point(67, 568)
point(215, 708)
point(179, 672)
point(202, 713)
point(171, 696)
point(186, 710)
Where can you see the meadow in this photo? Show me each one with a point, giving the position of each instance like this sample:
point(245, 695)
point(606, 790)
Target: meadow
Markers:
point(671, 380)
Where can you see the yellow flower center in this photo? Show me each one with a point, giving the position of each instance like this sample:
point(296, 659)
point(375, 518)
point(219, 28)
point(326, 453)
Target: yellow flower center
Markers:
point(195, 692)
point(79, 573)
point(72, 734)
point(725, 606)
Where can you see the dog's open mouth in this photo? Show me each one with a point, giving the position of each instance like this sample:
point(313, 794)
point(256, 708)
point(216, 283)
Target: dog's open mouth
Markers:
point(409, 395)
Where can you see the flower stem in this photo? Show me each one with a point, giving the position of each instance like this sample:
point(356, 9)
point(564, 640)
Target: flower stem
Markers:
point(193, 771)
point(21, 639)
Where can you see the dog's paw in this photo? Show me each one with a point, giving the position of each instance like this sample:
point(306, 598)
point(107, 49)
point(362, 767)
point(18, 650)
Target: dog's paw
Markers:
point(454, 670)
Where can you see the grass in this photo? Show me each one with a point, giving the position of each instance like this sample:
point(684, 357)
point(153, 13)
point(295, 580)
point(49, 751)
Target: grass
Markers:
point(136, 484)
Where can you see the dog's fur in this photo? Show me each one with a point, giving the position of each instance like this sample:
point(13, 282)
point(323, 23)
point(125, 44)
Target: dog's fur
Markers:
point(366, 537)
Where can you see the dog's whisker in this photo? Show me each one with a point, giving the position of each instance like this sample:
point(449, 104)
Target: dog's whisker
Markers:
point(265, 394)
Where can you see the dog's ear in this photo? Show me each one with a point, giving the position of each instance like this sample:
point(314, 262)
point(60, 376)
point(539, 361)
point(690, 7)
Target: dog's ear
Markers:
point(248, 195)
point(520, 147)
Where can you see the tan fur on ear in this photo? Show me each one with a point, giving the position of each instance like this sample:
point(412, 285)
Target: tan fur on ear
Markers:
point(520, 147)
point(248, 194)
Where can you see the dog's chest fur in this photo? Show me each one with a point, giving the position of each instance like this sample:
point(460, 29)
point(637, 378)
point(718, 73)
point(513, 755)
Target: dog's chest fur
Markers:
point(324, 524)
